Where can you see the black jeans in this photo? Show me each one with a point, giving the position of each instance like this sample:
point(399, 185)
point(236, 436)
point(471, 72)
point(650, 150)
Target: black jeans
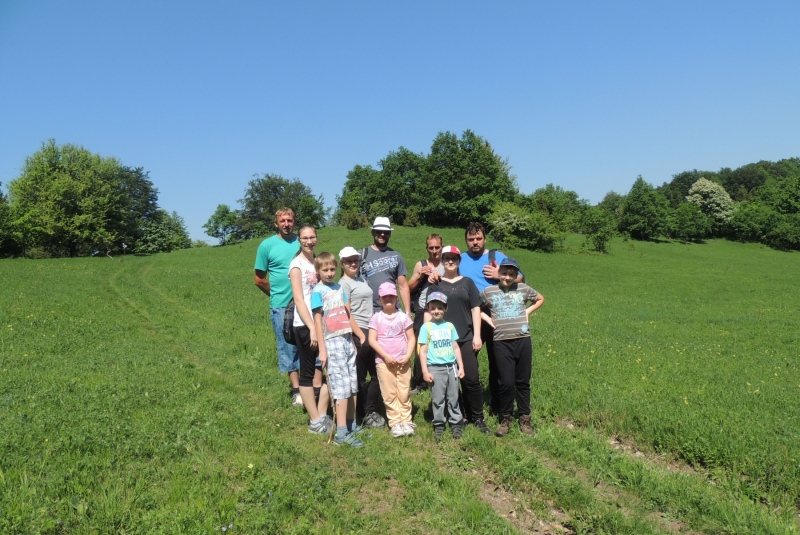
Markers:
point(487, 335)
point(471, 398)
point(369, 392)
point(513, 360)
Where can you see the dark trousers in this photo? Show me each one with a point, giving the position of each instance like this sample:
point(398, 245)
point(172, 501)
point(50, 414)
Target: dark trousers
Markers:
point(471, 396)
point(513, 362)
point(416, 378)
point(369, 392)
point(308, 356)
point(487, 335)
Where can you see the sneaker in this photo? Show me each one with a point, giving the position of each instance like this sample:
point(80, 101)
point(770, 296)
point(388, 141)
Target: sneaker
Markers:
point(398, 430)
point(504, 427)
point(297, 400)
point(525, 425)
point(438, 433)
point(349, 439)
point(323, 427)
point(374, 419)
point(409, 428)
point(360, 432)
point(456, 430)
point(481, 426)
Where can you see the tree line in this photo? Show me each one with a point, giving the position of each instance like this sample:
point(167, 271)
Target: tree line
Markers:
point(70, 202)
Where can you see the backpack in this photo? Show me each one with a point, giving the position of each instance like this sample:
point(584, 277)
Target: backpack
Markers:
point(288, 323)
point(416, 293)
point(362, 272)
point(493, 255)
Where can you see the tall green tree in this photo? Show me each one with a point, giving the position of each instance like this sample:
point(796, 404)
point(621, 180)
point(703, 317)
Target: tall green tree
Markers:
point(64, 199)
point(563, 207)
point(644, 212)
point(139, 203)
point(463, 182)
point(678, 188)
point(163, 233)
point(221, 224)
point(7, 244)
point(266, 194)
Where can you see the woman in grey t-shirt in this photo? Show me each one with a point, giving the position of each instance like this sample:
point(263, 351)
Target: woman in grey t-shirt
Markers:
point(360, 297)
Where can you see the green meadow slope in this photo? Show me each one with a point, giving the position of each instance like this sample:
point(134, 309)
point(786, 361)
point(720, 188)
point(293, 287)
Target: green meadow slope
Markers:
point(141, 395)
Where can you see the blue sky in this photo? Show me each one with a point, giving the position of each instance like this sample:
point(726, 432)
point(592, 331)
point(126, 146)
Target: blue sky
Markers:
point(584, 95)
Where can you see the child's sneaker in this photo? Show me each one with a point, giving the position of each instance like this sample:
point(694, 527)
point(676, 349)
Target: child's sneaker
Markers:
point(438, 432)
point(409, 428)
point(504, 427)
point(374, 419)
point(481, 426)
point(398, 430)
point(456, 430)
point(321, 427)
point(349, 440)
point(360, 431)
point(525, 425)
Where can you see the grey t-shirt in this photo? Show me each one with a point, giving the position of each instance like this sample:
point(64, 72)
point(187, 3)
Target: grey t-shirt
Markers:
point(379, 267)
point(508, 309)
point(360, 295)
point(423, 294)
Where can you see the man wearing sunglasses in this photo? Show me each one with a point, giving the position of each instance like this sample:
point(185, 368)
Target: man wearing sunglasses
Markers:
point(426, 272)
point(380, 263)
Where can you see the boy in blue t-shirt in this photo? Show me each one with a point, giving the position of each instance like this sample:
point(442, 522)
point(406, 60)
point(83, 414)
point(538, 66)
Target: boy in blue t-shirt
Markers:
point(440, 358)
point(334, 326)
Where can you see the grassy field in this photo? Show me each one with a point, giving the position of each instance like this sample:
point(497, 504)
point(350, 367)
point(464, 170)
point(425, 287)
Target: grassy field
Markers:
point(141, 395)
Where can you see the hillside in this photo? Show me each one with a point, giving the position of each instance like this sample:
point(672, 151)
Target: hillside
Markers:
point(140, 394)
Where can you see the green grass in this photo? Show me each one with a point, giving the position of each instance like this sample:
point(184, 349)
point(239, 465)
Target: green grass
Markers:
point(141, 395)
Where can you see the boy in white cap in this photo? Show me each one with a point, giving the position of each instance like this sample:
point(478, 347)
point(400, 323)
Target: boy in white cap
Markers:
point(442, 366)
point(391, 335)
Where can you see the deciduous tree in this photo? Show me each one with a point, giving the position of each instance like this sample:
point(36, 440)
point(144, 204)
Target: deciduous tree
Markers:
point(266, 194)
point(644, 212)
point(221, 224)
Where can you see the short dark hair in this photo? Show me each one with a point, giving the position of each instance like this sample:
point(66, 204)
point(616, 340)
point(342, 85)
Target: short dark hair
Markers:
point(474, 228)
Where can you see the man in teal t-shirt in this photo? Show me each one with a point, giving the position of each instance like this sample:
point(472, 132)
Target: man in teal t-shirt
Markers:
point(272, 277)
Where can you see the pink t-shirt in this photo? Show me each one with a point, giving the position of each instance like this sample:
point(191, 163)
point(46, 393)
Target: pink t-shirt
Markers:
point(391, 333)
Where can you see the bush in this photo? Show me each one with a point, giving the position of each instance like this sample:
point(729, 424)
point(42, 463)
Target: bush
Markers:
point(411, 219)
point(513, 227)
point(688, 222)
point(752, 222)
point(786, 235)
point(598, 227)
point(378, 209)
point(353, 220)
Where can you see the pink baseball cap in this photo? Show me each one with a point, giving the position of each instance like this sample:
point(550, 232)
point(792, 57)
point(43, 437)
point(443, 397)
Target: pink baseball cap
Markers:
point(451, 249)
point(387, 288)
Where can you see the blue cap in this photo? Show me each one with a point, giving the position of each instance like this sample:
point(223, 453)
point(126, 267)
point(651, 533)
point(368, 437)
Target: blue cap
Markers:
point(437, 296)
point(509, 262)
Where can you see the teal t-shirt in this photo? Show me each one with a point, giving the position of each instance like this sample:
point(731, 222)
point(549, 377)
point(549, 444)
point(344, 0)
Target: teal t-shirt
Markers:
point(273, 257)
point(440, 342)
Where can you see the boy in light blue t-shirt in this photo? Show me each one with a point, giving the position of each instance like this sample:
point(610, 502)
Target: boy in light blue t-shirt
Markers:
point(440, 358)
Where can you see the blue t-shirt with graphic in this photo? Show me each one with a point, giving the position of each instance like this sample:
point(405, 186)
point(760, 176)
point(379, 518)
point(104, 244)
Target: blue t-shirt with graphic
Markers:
point(440, 342)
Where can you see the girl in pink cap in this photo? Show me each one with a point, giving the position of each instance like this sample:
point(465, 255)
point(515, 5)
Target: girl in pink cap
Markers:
point(391, 335)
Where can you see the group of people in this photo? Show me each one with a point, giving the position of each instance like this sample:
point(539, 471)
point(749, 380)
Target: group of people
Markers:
point(356, 329)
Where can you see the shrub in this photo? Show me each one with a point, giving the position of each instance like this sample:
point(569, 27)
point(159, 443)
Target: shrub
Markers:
point(752, 222)
point(353, 220)
point(513, 227)
point(411, 219)
point(786, 235)
point(688, 222)
point(598, 227)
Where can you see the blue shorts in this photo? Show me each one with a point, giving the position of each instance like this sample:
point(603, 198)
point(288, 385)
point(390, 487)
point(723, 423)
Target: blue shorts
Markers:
point(288, 361)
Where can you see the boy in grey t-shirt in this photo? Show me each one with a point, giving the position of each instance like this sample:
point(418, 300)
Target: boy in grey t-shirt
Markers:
point(507, 301)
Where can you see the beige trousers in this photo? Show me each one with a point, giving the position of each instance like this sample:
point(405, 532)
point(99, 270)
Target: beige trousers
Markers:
point(395, 383)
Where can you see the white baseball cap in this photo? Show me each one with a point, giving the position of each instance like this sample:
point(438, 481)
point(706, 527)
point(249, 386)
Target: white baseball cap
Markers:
point(347, 252)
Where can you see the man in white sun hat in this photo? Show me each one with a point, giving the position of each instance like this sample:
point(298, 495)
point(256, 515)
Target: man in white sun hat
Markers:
point(380, 263)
